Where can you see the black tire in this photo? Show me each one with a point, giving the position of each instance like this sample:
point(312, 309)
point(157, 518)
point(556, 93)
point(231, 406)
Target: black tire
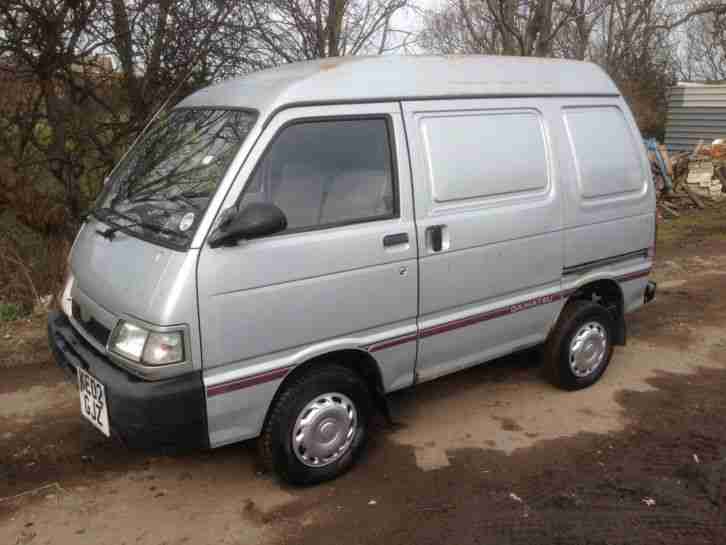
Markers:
point(557, 365)
point(276, 444)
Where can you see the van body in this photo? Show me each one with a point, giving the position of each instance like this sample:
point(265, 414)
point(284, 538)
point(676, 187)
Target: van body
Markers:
point(280, 251)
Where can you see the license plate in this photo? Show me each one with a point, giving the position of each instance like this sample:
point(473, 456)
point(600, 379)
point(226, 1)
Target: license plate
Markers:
point(93, 401)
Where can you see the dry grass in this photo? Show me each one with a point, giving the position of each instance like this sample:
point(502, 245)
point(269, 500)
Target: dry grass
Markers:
point(29, 274)
point(693, 225)
point(24, 342)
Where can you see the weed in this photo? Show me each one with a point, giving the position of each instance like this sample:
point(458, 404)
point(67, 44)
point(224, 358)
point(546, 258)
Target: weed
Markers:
point(10, 312)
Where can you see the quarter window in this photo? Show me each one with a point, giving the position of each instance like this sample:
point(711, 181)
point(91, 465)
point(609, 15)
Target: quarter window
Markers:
point(477, 155)
point(324, 173)
point(605, 152)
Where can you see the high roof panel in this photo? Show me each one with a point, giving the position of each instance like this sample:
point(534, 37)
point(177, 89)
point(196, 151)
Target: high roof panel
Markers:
point(400, 77)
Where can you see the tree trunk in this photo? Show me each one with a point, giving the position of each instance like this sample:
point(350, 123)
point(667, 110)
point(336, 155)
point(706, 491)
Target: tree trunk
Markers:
point(543, 45)
point(539, 28)
point(508, 12)
point(335, 26)
point(158, 44)
point(60, 160)
point(122, 43)
point(583, 31)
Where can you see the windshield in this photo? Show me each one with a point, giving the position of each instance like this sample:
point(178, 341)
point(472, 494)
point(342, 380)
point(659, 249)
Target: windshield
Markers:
point(163, 186)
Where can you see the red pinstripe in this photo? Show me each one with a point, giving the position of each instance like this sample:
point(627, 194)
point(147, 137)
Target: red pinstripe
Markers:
point(267, 376)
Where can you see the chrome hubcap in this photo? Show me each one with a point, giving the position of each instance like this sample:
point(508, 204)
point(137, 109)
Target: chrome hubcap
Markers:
point(588, 349)
point(324, 430)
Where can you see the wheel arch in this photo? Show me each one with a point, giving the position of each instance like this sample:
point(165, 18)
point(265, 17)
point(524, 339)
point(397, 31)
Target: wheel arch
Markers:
point(606, 292)
point(358, 360)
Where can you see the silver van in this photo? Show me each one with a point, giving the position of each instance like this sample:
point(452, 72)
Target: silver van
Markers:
point(280, 251)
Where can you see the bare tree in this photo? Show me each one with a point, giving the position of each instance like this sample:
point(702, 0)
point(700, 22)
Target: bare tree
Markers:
point(529, 27)
point(575, 38)
point(292, 30)
point(513, 27)
point(41, 45)
point(564, 28)
point(704, 51)
point(90, 73)
point(460, 27)
point(158, 42)
point(638, 42)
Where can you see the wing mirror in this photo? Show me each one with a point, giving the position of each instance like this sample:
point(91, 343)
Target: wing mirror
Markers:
point(253, 221)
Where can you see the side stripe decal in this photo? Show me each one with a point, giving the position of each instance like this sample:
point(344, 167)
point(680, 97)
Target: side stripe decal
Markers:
point(275, 374)
point(390, 343)
point(246, 382)
point(489, 315)
point(584, 267)
point(634, 275)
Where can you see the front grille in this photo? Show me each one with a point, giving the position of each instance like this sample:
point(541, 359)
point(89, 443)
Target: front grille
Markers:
point(94, 328)
point(97, 331)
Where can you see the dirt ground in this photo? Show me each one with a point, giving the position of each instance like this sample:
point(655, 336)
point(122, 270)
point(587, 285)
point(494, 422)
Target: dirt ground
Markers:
point(492, 455)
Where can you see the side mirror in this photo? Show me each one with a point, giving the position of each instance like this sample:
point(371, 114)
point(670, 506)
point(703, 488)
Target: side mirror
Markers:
point(253, 221)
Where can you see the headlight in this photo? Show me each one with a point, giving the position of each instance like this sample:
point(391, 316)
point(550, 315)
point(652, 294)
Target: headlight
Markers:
point(128, 341)
point(150, 348)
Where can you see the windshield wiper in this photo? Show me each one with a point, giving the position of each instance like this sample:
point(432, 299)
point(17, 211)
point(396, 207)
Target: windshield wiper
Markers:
point(179, 197)
point(110, 233)
point(103, 213)
point(195, 194)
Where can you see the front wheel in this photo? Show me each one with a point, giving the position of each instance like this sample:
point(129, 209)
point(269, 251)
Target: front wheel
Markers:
point(317, 427)
point(579, 349)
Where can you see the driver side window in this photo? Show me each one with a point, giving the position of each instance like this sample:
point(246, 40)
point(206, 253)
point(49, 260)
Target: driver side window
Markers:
point(327, 173)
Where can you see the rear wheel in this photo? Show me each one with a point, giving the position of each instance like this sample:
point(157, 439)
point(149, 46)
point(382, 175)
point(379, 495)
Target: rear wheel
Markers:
point(579, 349)
point(317, 427)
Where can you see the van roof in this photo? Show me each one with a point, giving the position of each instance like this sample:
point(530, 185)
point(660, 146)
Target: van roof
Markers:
point(396, 77)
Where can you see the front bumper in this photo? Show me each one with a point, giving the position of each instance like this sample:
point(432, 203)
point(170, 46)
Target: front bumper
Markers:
point(170, 412)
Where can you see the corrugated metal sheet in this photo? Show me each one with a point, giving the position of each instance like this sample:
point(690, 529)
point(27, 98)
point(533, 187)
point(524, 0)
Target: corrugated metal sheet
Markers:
point(695, 112)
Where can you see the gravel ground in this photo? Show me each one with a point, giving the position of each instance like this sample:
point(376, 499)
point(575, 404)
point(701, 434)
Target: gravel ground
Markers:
point(489, 455)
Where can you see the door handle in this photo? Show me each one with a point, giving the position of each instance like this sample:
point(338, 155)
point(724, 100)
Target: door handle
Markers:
point(435, 237)
point(395, 240)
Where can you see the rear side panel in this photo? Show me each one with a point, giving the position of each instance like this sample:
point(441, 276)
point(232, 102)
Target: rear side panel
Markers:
point(609, 200)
